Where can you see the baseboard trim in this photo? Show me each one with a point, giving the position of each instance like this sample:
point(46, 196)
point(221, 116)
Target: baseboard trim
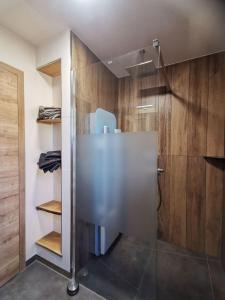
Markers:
point(48, 264)
point(30, 260)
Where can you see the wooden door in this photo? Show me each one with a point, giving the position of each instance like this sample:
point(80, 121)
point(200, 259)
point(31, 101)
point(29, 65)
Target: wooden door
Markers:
point(11, 173)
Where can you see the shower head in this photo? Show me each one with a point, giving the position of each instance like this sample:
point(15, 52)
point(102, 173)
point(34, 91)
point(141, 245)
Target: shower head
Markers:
point(142, 69)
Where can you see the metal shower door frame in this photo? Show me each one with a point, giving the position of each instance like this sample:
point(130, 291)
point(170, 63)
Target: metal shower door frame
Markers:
point(73, 285)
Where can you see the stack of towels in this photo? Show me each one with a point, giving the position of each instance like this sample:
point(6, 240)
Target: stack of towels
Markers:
point(49, 113)
point(50, 161)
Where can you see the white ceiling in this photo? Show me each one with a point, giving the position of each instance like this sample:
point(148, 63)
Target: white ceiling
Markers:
point(185, 28)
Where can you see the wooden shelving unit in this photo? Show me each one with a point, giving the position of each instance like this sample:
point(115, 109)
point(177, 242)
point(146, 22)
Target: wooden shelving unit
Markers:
point(50, 121)
point(51, 242)
point(52, 69)
point(53, 207)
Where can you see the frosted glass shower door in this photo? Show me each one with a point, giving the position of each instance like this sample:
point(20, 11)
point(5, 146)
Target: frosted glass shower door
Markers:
point(116, 182)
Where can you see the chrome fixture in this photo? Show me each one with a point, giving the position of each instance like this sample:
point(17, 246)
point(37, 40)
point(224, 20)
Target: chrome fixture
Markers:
point(144, 106)
point(142, 69)
point(160, 171)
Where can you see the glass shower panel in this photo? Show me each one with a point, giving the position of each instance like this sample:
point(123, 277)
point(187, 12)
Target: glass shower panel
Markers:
point(116, 174)
point(116, 182)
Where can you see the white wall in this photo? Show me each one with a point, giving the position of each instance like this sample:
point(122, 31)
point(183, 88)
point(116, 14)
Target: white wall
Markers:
point(37, 90)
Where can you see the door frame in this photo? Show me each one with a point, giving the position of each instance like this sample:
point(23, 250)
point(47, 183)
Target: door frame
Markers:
point(21, 161)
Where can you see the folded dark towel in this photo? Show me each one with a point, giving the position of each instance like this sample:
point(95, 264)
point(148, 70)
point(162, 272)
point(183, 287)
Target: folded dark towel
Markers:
point(49, 112)
point(50, 161)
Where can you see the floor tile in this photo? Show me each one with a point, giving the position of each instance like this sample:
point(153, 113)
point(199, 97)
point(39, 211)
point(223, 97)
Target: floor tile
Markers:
point(128, 258)
point(182, 277)
point(39, 282)
point(148, 287)
point(130, 271)
point(170, 248)
point(106, 283)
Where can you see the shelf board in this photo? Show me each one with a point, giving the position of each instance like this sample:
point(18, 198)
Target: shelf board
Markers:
point(153, 91)
point(50, 121)
point(52, 69)
point(51, 242)
point(215, 157)
point(53, 207)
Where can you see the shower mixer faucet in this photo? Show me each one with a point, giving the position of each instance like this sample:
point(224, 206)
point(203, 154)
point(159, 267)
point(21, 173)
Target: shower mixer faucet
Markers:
point(160, 171)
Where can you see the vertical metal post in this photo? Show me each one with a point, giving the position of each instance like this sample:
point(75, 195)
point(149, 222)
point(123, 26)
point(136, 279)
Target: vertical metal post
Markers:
point(73, 285)
point(156, 45)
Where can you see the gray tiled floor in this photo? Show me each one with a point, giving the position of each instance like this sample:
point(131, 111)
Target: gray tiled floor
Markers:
point(127, 273)
point(38, 282)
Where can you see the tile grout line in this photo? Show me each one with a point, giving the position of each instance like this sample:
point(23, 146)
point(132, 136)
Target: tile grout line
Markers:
point(180, 254)
point(150, 257)
point(210, 279)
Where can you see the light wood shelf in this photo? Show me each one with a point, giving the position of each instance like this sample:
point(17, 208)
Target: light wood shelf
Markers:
point(50, 121)
point(52, 69)
point(53, 207)
point(51, 242)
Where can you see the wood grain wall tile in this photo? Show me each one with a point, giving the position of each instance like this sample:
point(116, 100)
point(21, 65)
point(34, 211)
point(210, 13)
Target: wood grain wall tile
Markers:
point(165, 107)
point(125, 116)
point(223, 223)
point(214, 206)
point(96, 87)
point(190, 124)
point(164, 162)
point(178, 200)
point(197, 106)
point(180, 93)
point(196, 204)
point(216, 106)
point(82, 57)
point(132, 103)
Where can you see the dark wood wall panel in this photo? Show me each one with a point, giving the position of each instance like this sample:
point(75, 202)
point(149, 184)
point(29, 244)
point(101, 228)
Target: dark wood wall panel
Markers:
point(180, 88)
point(196, 204)
point(223, 223)
point(190, 124)
point(165, 108)
point(96, 86)
point(216, 105)
point(178, 200)
point(197, 106)
point(214, 206)
point(164, 162)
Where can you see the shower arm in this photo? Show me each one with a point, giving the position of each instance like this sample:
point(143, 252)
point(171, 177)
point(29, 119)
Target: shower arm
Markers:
point(156, 45)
